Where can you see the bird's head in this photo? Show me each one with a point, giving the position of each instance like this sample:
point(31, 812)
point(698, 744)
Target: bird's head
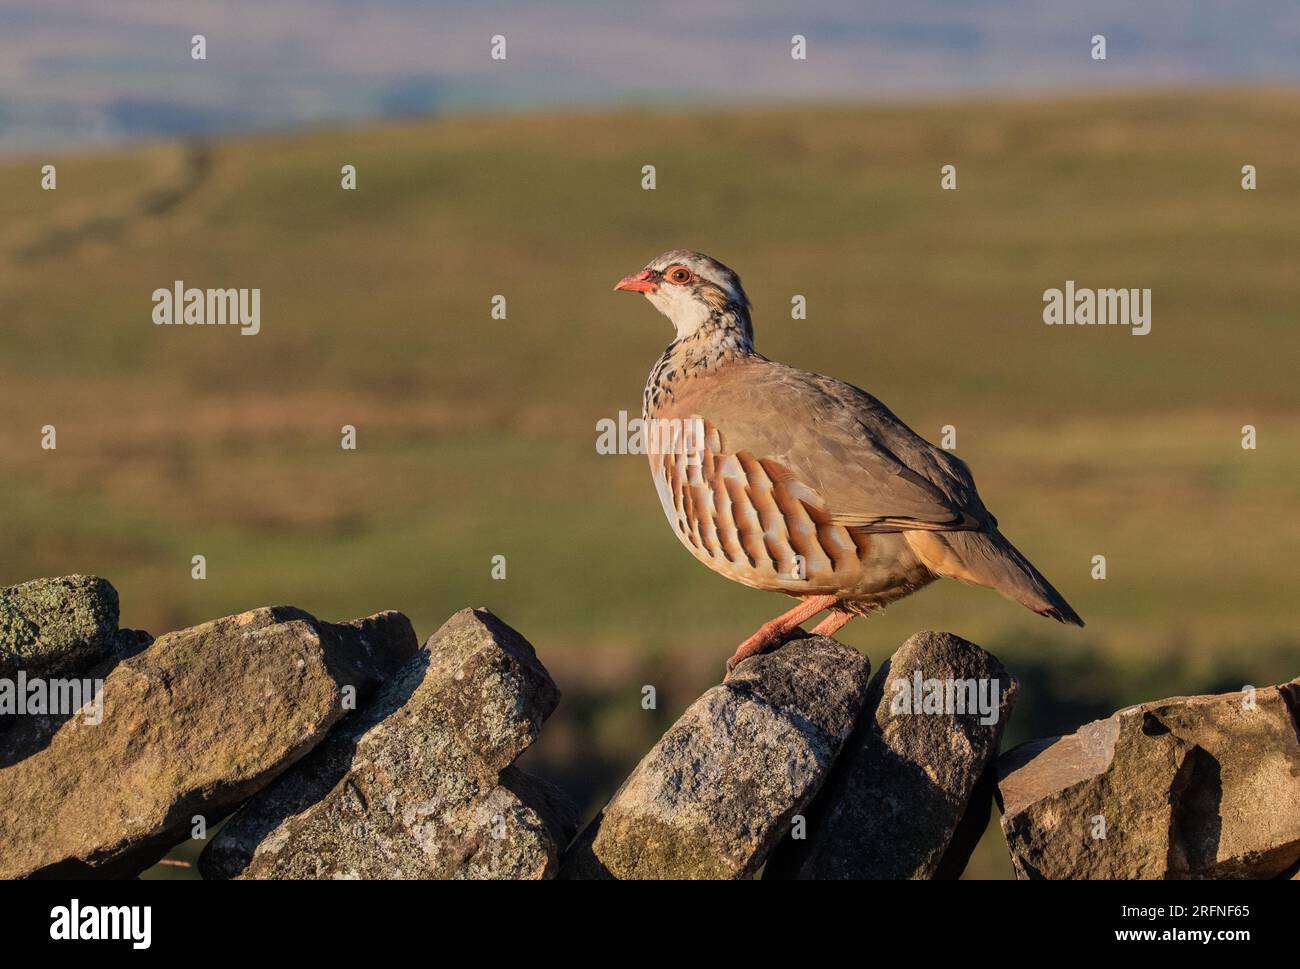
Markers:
point(694, 291)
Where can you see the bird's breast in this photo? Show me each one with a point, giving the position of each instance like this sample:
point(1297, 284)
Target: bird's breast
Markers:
point(748, 519)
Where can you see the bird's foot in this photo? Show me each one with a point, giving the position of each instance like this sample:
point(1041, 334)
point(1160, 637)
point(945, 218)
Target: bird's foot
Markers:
point(772, 634)
point(768, 638)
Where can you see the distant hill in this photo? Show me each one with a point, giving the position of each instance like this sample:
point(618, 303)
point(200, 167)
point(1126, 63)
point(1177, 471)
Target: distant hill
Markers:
point(81, 73)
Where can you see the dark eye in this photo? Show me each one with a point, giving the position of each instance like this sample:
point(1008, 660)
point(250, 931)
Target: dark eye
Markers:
point(679, 274)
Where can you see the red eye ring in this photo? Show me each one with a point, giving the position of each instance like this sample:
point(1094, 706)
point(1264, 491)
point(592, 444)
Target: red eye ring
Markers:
point(679, 275)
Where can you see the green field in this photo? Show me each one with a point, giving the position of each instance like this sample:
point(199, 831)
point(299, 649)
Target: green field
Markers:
point(477, 436)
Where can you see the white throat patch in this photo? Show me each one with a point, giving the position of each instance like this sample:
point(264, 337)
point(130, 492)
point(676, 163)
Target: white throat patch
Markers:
point(677, 303)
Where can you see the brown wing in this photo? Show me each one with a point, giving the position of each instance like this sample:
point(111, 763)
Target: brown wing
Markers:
point(829, 440)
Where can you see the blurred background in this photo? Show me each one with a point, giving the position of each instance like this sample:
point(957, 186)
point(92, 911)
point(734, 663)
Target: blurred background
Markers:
point(522, 177)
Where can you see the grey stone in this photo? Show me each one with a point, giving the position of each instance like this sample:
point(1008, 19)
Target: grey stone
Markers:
point(905, 800)
point(720, 788)
point(420, 784)
point(56, 627)
point(1189, 787)
point(192, 725)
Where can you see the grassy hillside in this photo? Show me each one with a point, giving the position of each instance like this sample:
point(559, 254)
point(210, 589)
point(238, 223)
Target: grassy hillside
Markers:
point(477, 436)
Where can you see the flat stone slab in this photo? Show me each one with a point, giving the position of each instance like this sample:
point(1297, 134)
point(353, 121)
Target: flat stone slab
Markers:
point(191, 726)
point(1189, 787)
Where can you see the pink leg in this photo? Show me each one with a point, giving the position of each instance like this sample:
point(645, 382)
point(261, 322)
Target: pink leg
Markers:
point(771, 634)
point(833, 623)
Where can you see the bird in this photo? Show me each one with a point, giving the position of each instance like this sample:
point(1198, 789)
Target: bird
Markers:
point(790, 481)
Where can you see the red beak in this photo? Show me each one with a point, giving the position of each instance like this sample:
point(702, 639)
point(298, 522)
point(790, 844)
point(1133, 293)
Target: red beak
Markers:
point(639, 283)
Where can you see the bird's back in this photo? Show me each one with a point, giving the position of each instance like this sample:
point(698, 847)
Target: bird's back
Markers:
point(869, 468)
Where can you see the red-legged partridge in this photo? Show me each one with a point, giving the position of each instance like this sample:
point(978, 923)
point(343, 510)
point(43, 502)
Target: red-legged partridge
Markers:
point(793, 482)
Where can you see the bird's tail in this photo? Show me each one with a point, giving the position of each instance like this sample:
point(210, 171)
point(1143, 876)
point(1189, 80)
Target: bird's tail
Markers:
point(988, 559)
